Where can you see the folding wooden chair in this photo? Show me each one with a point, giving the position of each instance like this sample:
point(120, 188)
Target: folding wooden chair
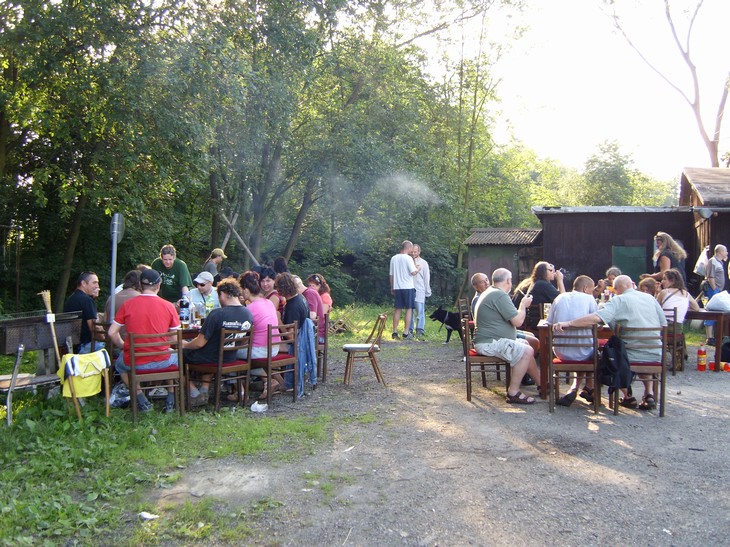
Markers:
point(366, 351)
point(323, 349)
point(675, 340)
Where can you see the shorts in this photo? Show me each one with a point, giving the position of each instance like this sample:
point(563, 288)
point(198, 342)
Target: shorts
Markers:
point(154, 365)
point(504, 348)
point(405, 299)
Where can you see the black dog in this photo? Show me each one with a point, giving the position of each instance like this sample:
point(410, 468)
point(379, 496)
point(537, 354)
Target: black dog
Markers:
point(450, 320)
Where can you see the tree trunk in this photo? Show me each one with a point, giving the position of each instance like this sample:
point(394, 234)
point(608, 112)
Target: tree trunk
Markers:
point(73, 239)
point(215, 220)
point(296, 230)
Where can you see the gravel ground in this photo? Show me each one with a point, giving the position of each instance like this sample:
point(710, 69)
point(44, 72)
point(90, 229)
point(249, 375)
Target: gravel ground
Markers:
point(414, 463)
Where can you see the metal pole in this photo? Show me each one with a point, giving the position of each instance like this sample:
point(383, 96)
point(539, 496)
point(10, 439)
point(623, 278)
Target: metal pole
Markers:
point(115, 232)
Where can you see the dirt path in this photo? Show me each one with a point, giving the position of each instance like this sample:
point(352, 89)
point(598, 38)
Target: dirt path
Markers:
point(415, 464)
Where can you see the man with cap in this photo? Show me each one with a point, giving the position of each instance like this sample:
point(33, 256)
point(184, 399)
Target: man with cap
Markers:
point(203, 295)
point(145, 314)
point(214, 261)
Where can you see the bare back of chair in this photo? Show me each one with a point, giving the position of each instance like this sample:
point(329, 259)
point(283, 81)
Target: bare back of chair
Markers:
point(377, 333)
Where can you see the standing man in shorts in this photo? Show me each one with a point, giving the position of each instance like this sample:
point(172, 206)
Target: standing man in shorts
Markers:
point(402, 271)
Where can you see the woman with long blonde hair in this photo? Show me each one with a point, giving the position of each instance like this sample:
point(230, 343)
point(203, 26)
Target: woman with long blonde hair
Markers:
point(668, 254)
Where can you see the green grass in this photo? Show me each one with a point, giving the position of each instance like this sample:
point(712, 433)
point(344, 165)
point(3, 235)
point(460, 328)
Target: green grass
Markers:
point(69, 481)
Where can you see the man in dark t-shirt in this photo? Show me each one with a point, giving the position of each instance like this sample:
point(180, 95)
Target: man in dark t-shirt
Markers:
point(82, 299)
point(204, 348)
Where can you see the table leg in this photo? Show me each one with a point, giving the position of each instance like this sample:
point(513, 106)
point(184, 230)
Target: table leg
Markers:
point(543, 356)
point(719, 333)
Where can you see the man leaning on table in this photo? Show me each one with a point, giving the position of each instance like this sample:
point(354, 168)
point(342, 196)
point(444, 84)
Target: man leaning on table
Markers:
point(496, 321)
point(628, 308)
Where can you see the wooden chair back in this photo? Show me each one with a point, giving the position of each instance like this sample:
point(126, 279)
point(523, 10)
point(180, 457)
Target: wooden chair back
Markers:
point(160, 346)
point(584, 339)
point(479, 363)
point(653, 339)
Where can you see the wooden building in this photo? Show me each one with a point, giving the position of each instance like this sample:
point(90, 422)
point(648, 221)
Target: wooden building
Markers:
point(707, 191)
point(513, 248)
point(589, 240)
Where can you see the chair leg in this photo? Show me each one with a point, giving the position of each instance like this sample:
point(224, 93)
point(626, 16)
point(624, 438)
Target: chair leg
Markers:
point(107, 390)
point(376, 368)
point(324, 364)
point(348, 366)
point(468, 381)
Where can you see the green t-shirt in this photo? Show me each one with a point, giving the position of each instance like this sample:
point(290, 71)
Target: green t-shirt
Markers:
point(173, 280)
point(493, 317)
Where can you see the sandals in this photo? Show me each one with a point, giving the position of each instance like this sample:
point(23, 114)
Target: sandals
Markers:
point(275, 388)
point(587, 394)
point(629, 402)
point(567, 399)
point(649, 403)
point(519, 399)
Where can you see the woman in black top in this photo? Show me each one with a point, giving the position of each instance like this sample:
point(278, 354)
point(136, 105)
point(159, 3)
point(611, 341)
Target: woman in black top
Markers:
point(540, 285)
point(296, 309)
point(668, 254)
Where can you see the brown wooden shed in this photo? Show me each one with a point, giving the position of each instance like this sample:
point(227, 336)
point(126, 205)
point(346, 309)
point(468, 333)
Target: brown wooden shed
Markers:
point(707, 191)
point(516, 249)
point(588, 240)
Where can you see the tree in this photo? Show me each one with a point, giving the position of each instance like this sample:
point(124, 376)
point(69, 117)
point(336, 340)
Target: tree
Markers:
point(709, 128)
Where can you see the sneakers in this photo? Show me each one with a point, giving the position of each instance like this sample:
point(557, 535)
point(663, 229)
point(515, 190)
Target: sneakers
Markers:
point(407, 336)
point(157, 393)
point(194, 393)
point(170, 406)
point(395, 336)
point(143, 405)
point(710, 342)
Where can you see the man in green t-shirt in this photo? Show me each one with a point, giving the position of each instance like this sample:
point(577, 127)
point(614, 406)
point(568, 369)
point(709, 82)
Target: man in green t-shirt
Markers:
point(175, 275)
point(496, 320)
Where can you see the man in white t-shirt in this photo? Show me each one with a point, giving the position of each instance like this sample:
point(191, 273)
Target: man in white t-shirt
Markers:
point(402, 271)
point(572, 305)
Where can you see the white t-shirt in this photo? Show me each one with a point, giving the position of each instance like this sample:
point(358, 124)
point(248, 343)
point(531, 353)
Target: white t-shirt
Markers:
point(401, 267)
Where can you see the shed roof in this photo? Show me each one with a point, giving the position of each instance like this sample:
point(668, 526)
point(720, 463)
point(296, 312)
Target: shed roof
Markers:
point(502, 236)
point(712, 185)
point(592, 209)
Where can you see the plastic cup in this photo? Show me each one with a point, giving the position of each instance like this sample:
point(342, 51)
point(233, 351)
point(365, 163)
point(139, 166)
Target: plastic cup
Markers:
point(701, 367)
point(711, 365)
point(726, 367)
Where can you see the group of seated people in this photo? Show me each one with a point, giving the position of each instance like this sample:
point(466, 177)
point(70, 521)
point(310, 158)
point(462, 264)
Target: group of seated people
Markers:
point(498, 312)
point(258, 298)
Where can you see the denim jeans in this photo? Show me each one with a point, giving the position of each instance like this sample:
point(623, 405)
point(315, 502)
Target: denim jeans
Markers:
point(419, 318)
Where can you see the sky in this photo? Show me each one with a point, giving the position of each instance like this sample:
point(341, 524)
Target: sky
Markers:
point(572, 83)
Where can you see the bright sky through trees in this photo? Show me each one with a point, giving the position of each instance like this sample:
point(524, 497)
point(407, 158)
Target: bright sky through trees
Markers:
point(572, 82)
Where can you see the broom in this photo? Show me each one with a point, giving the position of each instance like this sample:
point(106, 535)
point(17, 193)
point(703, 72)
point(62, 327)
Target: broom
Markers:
point(50, 318)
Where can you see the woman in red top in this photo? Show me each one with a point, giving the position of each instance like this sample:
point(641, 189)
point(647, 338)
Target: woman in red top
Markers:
point(319, 283)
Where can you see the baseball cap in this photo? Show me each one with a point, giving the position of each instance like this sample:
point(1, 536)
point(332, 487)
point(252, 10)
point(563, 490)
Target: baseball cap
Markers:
point(204, 277)
point(150, 277)
point(218, 252)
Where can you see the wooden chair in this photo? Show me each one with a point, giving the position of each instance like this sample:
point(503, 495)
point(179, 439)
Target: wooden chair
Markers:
point(366, 351)
point(648, 338)
point(148, 345)
point(478, 363)
point(675, 340)
point(573, 339)
point(82, 375)
point(464, 309)
point(322, 349)
point(231, 340)
point(282, 336)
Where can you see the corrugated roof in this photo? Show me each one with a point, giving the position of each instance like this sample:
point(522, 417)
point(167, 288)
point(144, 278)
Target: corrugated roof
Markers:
point(712, 185)
point(502, 236)
point(538, 211)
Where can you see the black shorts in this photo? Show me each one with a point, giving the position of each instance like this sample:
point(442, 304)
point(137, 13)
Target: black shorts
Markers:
point(405, 299)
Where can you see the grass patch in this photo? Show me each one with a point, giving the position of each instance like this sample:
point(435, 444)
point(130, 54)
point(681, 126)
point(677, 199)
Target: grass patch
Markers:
point(68, 481)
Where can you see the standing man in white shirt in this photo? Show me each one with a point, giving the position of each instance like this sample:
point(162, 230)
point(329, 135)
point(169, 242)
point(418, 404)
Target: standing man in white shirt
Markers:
point(422, 284)
point(715, 276)
point(402, 272)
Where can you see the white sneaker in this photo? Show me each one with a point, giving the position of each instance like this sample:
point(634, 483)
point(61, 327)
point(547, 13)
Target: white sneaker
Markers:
point(157, 393)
